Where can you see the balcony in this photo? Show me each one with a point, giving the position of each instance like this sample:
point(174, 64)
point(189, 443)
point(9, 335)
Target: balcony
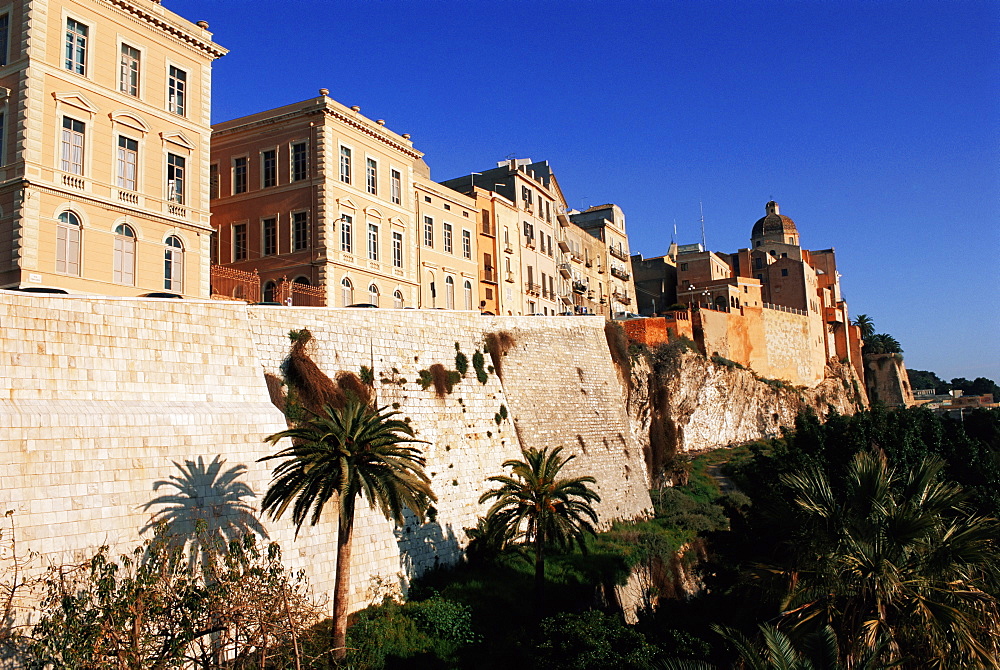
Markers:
point(620, 274)
point(564, 246)
point(565, 271)
point(128, 197)
point(600, 269)
point(622, 298)
point(176, 209)
point(620, 255)
point(579, 287)
point(834, 315)
point(508, 249)
point(509, 277)
point(529, 242)
point(531, 288)
point(488, 229)
point(489, 275)
point(72, 181)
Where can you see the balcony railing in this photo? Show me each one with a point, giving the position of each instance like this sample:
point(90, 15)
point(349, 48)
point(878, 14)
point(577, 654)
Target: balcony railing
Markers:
point(532, 288)
point(579, 287)
point(621, 274)
point(490, 275)
point(74, 182)
point(128, 197)
point(565, 271)
point(620, 255)
point(622, 298)
point(231, 284)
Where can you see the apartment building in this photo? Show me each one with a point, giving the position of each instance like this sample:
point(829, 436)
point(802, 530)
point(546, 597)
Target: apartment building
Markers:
point(448, 247)
point(607, 224)
point(104, 145)
point(318, 195)
point(544, 263)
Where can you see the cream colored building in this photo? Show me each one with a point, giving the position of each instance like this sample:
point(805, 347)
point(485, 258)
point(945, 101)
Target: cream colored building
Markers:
point(546, 261)
point(104, 122)
point(448, 247)
point(319, 194)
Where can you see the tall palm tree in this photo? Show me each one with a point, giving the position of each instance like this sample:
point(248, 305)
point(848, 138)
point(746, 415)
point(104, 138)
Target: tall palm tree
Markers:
point(534, 506)
point(882, 343)
point(866, 324)
point(340, 454)
point(894, 558)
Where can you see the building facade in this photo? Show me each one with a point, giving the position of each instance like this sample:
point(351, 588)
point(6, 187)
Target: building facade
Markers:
point(448, 247)
point(318, 194)
point(544, 260)
point(104, 146)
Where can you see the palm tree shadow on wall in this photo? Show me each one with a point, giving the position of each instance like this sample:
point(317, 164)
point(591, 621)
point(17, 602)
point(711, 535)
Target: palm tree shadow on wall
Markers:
point(204, 506)
point(425, 546)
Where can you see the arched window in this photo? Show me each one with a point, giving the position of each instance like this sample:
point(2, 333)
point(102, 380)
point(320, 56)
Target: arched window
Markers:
point(373, 295)
point(449, 293)
point(468, 294)
point(397, 300)
point(346, 292)
point(124, 261)
point(269, 291)
point(68, 234)
point(173, 264)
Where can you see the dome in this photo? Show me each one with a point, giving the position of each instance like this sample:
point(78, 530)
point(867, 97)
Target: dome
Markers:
point(773, 224)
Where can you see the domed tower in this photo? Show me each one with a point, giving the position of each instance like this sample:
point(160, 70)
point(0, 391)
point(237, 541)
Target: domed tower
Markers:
point(774, 228)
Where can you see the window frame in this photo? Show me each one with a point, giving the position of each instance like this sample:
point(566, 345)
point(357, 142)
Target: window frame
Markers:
point(397, 249)
point(448, 237)
point(269, 236)
point(175, 162)
point(67, 147)
point(135, 72)
point(371, 175)
point(5, 38)
point(240, 174)
point(467, 244)
point(294, 174)
point(121, 156)
point(173, 264)
point(268, 168)
point(345, 162)
point(372, 241)
point(395, 186)
point(347, 234)
point(177, 95)
point(299, 242)
point(239, 235)
point(346, 292)
point(82, 50)
point(429, 232)
point(125, 246)
point(72, 249)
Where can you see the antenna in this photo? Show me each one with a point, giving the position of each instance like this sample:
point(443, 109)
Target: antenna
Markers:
point(701, 207)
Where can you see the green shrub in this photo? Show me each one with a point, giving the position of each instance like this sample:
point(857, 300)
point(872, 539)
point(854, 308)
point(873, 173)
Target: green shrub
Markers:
point(591, 641)
point(722, 360)
point(478, 361)
point(461, 363)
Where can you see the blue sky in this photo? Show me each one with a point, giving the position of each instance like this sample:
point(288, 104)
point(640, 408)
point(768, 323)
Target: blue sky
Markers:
point(875, 125)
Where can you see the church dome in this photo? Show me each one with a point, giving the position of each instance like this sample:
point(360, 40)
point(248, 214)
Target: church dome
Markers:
point(774, 224)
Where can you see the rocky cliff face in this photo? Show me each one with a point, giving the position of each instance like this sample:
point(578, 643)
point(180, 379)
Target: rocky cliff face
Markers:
point(685, 402)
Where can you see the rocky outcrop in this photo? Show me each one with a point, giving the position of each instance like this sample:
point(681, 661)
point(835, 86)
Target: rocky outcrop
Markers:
point(887, 381)
point(684, 402)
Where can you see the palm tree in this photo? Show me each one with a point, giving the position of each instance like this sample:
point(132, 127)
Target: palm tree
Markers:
point(534, 506)
point(882, 343)
point(894, 558)
point(343, 453)
point(867, 326)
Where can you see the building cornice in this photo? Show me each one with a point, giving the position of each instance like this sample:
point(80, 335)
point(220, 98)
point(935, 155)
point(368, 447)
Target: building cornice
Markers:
point(207, 47)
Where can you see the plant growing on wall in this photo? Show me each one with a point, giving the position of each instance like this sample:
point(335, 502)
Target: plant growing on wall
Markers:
point(441, 378)
point(533, 505)
point(338, 455)
point(461, 361)
point(478, 361)
point(498, 344)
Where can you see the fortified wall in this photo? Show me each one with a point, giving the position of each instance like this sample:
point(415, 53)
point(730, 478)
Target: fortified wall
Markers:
point(122, 412)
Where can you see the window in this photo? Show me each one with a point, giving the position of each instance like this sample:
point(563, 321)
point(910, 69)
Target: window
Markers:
point(345, 165)
point(299, 167)
point(397, 250)
point(428, 231)
point(758, 263)
point(346, 239)
point(372, 241)
point(447, 238)
point(449, 293)
point(550, 244)
point(396, 187)
point(128, 79)
point(177, 91)
point(467, 243)
point(72, 146)
point(175, 178)
point(240, 175)
point(173, 264)
point(300, 231)
point(124, 258)
point(213, 180)
point(468, 294)
point(68, 234)
point(784, 272)
point(373, 295)
point(346, 292)
point(371, 176)
point(3, 144)
point(76, 46)
point(684, 267)
point(268, 168)
point(397, 300)
point(269, 289)
point(128, 158)
point(239, 242)
point(4, 37)
point(269, 236)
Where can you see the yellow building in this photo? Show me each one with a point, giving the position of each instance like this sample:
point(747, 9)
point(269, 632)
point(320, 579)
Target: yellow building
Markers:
point(448, 247)
point(546, 260)
point(105, 131)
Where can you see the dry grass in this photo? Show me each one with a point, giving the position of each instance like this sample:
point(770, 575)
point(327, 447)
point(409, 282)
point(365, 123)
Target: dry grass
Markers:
point(498, 344)
point(313, 388)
